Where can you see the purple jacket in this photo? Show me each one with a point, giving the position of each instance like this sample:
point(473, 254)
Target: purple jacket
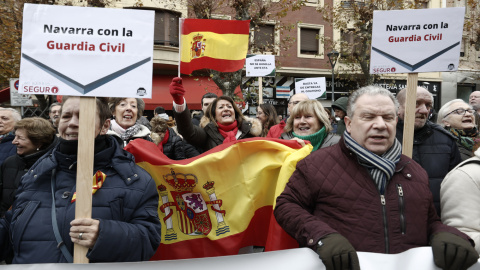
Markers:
point(330, 192)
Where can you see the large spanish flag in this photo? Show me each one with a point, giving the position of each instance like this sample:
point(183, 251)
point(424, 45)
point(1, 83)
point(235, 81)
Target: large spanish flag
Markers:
point(213, 44)
point(222, 200)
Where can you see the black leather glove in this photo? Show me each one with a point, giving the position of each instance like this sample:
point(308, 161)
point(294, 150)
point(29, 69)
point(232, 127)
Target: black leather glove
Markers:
point(337, 253)
point(451, 252)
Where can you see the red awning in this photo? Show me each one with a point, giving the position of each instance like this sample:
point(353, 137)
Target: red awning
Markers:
point(5, 95)
point(195, 88)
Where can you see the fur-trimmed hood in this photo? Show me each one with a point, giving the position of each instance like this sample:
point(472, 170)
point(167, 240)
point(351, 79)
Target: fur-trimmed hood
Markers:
point(255, 130)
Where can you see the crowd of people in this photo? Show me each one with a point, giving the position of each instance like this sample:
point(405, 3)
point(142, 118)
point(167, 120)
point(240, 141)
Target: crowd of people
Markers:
point(355, 191)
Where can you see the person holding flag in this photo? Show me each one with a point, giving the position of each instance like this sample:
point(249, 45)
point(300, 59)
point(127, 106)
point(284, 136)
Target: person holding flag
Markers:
point(223, 122)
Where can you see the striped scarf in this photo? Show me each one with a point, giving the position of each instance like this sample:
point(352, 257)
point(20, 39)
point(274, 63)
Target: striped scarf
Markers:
point(381, 168)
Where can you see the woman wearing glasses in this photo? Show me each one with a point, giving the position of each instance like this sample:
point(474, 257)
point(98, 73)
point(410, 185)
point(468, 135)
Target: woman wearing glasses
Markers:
point(457, 117)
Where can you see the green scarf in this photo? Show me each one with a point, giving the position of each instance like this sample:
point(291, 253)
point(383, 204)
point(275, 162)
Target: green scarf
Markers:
point(467, 138)
point(316, 138)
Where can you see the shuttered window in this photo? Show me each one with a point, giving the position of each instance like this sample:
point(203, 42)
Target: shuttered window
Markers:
point(309, 41)
point(166, 28)
point(264, 37)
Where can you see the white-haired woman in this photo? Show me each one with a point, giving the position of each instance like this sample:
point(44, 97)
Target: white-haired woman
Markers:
point(457, 117)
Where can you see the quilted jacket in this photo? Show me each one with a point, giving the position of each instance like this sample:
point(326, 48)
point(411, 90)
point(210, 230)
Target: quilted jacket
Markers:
point(126, 206)
point(330, 192)
point(435, 149)
point(7, 148)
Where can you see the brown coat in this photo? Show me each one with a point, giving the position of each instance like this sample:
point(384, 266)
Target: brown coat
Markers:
point(331, 192)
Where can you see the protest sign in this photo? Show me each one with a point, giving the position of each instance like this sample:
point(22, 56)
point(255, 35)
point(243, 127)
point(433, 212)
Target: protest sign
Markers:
point(83, 51)
point(17, 99)
point(419, 40)
point(312, 87)
point(260, 65)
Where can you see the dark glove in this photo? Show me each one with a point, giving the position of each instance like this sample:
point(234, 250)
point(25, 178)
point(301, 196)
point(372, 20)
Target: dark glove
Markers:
point(177, 91)
point(451, 252)
point(337, 253)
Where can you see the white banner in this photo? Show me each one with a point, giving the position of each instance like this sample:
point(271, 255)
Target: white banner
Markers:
point(301, 258)
point(418, 40)
point(17, 99)
point(312, 87)
point(260, 65)
point(82, 51)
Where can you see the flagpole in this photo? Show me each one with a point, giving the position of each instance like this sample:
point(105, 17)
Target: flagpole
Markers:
point(180, 28)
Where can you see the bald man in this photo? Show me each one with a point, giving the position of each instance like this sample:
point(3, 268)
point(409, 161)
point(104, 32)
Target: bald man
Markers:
point(474, 100)
point(434, 148)
point(277, 130)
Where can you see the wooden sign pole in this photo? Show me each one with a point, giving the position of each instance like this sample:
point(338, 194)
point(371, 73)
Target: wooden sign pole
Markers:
point(409, 118)
point(260, 90)
point(86, 142)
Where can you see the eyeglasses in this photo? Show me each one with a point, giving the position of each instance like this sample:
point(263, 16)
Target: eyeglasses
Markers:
point(294, 102)
point(460, 112)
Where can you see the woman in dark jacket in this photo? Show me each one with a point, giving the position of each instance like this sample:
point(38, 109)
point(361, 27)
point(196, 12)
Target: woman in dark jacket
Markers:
point(309, 121)
point(223, 121)
point(169, 142)
point(33, 138)
point(124, 225)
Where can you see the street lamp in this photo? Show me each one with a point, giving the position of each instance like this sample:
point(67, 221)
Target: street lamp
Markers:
point(332, 57)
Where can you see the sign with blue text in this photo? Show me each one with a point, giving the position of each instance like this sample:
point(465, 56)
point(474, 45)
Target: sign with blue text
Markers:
point(82, 51)
point(418, 40)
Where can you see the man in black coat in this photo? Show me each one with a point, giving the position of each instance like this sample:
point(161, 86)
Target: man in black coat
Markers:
point(207, 99)
point(434, 148)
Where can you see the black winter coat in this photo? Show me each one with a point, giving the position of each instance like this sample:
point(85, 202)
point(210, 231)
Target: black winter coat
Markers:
point(435, 149)
point(7, 148)
point(206, 136)
point(175, 148)
point(11, 172)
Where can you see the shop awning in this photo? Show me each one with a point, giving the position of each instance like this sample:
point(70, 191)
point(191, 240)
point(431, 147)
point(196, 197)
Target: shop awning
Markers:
point(195, 88)
point(5, 95)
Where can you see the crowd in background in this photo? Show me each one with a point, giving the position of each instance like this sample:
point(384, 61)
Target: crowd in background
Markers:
point(445, 155)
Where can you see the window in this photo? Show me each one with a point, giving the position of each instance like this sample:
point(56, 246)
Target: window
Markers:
point(265, 38)
point(313, 2)
point(347, 38)
point(309, 41)
point(166, 28)
point(462, 49)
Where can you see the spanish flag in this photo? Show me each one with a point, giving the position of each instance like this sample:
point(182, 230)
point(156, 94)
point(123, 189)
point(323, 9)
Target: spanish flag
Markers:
point(222, 200)
point(213, 44)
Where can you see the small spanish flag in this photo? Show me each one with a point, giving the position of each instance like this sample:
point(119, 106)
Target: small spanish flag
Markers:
point(98, 179)
point(213, 44)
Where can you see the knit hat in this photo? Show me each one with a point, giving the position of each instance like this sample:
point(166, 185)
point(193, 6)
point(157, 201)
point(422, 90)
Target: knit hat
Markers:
point(341, 104)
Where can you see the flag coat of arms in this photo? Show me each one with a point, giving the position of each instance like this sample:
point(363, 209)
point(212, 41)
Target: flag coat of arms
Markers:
point(213, 44)
point(222, 200)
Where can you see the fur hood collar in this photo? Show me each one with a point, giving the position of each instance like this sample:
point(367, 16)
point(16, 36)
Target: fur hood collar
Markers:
point(255, 130)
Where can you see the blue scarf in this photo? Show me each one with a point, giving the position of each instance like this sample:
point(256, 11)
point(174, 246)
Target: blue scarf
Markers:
point(381, 168)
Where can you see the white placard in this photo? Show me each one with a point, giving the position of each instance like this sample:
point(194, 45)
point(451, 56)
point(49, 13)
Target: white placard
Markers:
point(419, 40)
point(260, 65)
point(82, 51)
point(312, 87)
point(17, 99)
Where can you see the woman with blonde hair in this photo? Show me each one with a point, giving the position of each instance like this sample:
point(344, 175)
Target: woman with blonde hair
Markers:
point(308, 121)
